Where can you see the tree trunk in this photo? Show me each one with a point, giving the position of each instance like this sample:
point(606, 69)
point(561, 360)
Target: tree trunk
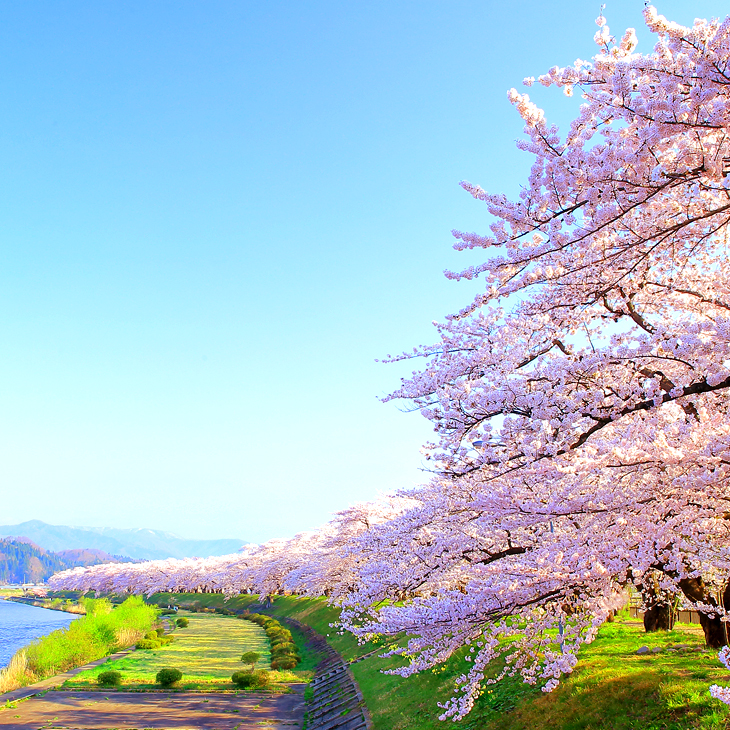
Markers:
point(659, 617)
point(659, 614)
point(716, 631)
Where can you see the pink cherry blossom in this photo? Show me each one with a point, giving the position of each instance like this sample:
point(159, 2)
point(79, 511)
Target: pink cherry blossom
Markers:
point(579, 402)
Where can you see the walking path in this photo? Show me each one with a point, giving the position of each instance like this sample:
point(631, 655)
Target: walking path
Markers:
point(158, 710)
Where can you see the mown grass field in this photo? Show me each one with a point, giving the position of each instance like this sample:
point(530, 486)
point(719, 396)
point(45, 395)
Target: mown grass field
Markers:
point(612, 688)
point(208, 651)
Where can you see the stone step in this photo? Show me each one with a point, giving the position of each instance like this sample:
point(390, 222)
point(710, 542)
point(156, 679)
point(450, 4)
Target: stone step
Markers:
point(335, 696)
point(334, 688)
point(333, 675)
point(342, 722)
point(351, 700)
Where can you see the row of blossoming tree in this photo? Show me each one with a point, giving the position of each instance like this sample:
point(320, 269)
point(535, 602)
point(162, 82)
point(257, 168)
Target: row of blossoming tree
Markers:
point(580, 402)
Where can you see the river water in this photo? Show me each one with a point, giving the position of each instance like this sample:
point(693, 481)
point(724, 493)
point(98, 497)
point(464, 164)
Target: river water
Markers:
point(20, 624)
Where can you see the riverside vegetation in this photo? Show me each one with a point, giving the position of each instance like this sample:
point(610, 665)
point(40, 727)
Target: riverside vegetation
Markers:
point(103, 630)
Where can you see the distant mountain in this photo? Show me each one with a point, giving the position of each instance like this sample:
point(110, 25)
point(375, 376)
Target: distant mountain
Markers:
point(141, 544)
point(22, 561)
point(84, 556)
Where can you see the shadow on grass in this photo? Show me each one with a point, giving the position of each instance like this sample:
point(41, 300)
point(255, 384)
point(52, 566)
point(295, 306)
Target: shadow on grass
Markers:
point(644, 699)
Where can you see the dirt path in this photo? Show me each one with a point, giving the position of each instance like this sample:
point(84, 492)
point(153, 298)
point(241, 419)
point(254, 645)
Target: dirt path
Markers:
point(158, 710)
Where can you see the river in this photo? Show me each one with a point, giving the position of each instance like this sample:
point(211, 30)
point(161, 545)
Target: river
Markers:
point(20, 624)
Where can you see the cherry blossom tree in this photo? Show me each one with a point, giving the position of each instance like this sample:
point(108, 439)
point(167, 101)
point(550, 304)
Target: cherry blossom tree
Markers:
point(332, 566)
point(579, 403)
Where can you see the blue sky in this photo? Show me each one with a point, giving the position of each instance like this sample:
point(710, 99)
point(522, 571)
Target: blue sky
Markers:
point(215, 216)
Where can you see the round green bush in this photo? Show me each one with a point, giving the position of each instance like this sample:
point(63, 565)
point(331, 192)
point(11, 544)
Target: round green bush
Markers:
point(281, 639)
point(160, 631)
point(284, 648)
point(284, 662)
point(182, 622)
point(168, 676)
point(152, 635)
point(148, 644)
point(261, 678)
point(243, 679)
point(110, 678)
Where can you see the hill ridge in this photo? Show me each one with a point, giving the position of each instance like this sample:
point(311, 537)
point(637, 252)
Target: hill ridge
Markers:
point(136, 543)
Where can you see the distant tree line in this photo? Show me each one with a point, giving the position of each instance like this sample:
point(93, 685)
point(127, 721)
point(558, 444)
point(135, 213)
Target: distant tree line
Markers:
point(21, 561)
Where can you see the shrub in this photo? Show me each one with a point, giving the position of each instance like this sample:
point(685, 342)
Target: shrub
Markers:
point(96, 606)
point(261, 678)
point(168, 676)
point(182, 622)
point(110, 678)
point(148, 644)
point(284, 662)
point(160, 632)
point(243, 679)
point(282, 649)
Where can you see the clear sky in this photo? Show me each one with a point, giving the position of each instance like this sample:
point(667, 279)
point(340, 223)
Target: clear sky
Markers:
point(215, 216)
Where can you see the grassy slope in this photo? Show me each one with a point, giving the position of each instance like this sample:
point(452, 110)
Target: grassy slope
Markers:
point(612, 687)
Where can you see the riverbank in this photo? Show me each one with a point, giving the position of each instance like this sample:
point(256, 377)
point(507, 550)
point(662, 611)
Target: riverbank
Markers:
point(57, 680)
point(21, 624)
point(102, 631)
point(52, 604)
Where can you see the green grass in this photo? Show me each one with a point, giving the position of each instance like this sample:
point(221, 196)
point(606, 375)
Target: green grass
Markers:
point(612, 688)
point(207, 652)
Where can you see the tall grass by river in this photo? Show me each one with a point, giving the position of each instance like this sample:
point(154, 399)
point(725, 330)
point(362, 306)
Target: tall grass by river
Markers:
point(102, 631)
